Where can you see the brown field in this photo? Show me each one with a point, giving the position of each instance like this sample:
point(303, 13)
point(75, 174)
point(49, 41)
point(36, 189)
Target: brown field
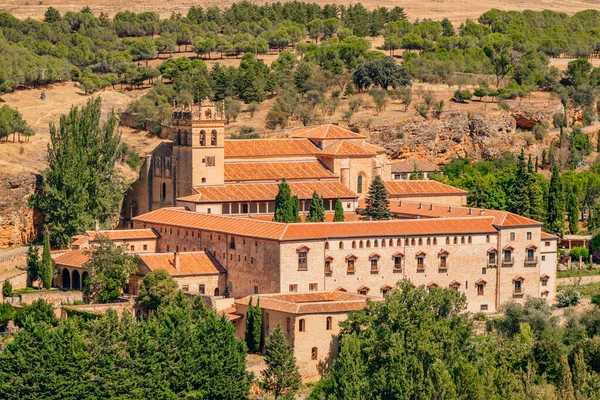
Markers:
point(456, 10)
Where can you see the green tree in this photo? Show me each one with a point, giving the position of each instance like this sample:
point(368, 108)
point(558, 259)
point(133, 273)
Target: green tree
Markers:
point(564, 383)
point(284, 204)
point(34, 266)
point(110, 267)
point(316, 212)
point(573, 210)
point(534, 193)
point(339, 211)
point(7, 289)
point(47, 266)
point(520, 203)
point(37, 312)
point(555, 214)
point(253, 334)
point(7, 313)
point(157, 287)
point(377, 205)
point(51, 15)
point(281, 377)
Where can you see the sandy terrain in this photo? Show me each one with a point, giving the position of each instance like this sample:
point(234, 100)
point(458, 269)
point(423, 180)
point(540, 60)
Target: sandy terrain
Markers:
point(456, 10)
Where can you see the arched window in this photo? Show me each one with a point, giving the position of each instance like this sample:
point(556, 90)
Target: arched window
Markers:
point(368, 244)
point(329, 323)
point(412, 242)
point(420, 241)
point(462, 240)
point(428, 241)
point(376, 243)
point(202, 137)
point(447, 239)
point(382, 242)
point(487, 238)
point(354, 244)
point(302, 325)
point(216, 291)
point(392, 242)
point(434, 241)
point(359, 184)
point(470, 240)
point(163, 191)
point(360, 244)
point(341, 245)
point(455, 239)
point(326, 245)
point(213, 138)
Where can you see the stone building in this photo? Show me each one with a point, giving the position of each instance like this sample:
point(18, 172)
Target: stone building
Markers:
point(412, 169)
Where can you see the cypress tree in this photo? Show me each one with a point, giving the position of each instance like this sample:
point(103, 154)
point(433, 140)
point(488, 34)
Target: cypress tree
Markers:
point(564, 383)
point(281, 377)
point(33, 263)
point(520, 197)
point(555, 214)
point(536, 200)
point(295, 209)
point(47, 263)
point(377, 203)
point(249, 336)
point(283, 203)
point(552, 155)
point(339, 211)
point(544, 161)
point(316, 212)
point(573, 209)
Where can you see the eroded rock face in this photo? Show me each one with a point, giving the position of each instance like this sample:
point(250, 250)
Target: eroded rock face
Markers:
point(531, 114)
point(472, 135)
point(16, 217)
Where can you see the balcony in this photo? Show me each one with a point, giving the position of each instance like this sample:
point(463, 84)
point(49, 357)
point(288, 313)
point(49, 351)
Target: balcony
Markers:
point(421, 268)
point(531, 261)
point(492, 263)
point(508, 262)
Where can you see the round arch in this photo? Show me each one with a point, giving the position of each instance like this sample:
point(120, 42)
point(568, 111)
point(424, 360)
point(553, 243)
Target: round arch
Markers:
point(84, 277)
point(361, 183)
point(65, 279)
point(76, 280)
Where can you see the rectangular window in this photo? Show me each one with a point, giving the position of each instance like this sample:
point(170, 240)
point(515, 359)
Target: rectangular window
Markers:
point(398, 263)
point(255, 289)
point(443, 262)
point(507, 256)
point(483, 307)
point(132, 248)
point(480, 288)
point(201, 289)
point(328, 266)
point(313, 353)
point(302, 261)
point(492, 258)
point(420, 262)
point(543, 258)
point(547, 244)
point(145, 247)
point(185, 288)
point(512, 236)
point(350, 266)
point(301, 325)
point(374, 265)
point(329, 323)
point(544, 282)
point(210, 161)
point(518, 286)
point(528, 235)
point(244, 208)
point(288, 324)
point(293, 288)
point(313, 287)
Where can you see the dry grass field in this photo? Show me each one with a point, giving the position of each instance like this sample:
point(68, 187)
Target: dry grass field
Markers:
point(456, 10)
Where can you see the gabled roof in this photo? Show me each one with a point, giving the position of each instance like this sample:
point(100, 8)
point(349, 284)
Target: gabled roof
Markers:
point(410, 165)
point(246, 148)
point(374, 255)
point(346, 148)
point(545, 276)
point(548, 236)
point(310, 303)
point(72, 258)
point(398, 254)
point(123, 234)
point(481, 281)
point(267, 192)
point(326, 132)
point(386, 287)
point(519, 278)
point(364, 288)
point(432, 284)
point(276, 171)
point(454, 283)
point(421, 188)
point(351, 257)
point(190, 263)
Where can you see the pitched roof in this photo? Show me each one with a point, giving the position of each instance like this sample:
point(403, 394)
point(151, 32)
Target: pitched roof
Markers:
point(430, 210)
point(548, 236)
point(421, 188)
point(266, 171)
point(307, 231)
point(410, 165)
point(267, 192)
point(243, 148)
point(326, 132)
point(123, 234)
point(310, 303)
point(79, 240)
point(190, 263)
point(346, 148)
point(72, 258)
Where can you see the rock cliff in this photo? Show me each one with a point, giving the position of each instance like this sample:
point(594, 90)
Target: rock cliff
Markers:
point(16, 217)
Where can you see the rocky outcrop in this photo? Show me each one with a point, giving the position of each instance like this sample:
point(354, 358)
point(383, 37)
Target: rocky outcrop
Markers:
point(531, 114)
point(17, 219)
point(471, 134)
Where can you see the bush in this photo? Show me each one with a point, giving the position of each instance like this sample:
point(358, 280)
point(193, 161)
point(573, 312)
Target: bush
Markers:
point(596, 299)
point(540, 131)
point(133, 159)
point(577, 252)
point(462, 95)
point(568, 297)
point(7, 313)
point(7, 290)
point(595, 247)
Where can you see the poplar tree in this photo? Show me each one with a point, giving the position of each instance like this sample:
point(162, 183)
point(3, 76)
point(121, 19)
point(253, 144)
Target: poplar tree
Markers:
point(377, 203)
point(520, 198)
point(339, 211)
point(555, 214)
point(316, 212)
point(253, 332)
point(34, 269)
point(573, 210)
point(281, 377)
point(47, 263)
point(536, 200)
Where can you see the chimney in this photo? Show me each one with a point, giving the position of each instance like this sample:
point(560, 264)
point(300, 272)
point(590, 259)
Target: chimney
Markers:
point(430, 206)
point(449, 208)
point(176, 260)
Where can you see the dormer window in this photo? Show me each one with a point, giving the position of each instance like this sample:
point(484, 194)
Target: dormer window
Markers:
point(544, 279)
point(480, 286)
point(363, 290)
point(454, 285)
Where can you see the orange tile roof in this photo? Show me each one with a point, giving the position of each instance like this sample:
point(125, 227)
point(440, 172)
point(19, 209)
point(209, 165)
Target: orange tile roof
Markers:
point(190, 263)
point(242, 148)
point(429, 210)
point(328, 217)
point(79, 240)
point(548, 236)
point(420, 188)
point(123, 234)
point(72, 258)
point(265, 171)
point(346, 148)
point(267, 192)
point(409, 166)
point(310, 303)
point(326, 132)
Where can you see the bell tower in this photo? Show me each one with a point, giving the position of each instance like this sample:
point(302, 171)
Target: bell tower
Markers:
point(198, 146)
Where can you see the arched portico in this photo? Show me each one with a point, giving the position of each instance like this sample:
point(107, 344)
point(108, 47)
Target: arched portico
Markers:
point(65, 279)
point(75, 280)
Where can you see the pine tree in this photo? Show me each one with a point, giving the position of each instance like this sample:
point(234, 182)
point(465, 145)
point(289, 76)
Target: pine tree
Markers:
point(283, 203)
point(573, 210)
point(555, 213)
point(443, 386)
point(316, 212)
point(34, 269)
point(377, 203)
point(281, 377)
point(47, 269)
point(339, 211)
point(580, 374)
point(536, 200)
point(564, 383)
point(253, 332)
point(348, 376)
point(520, 197)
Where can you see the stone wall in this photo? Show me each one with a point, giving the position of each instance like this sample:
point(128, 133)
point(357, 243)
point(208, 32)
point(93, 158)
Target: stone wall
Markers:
point(125, 307)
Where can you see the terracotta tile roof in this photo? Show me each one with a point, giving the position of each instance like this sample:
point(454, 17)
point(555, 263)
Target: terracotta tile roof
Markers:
point(79, 240)
point(242, 148)
point(548, 236)
point(190, 263)
point(72, 258)
point(430, 210)
point(310, 303)
point(409, 166)
point(238, 172)
point(420, 188)
point(327, 132)
point(346, 148)
point(267, 192)
point(303, 231)
point(123, 234)
point(369, 146)
point(230, 313)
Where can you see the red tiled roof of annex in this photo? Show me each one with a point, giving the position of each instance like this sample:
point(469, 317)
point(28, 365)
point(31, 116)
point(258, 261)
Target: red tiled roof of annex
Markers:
point(346, 148)
point(267, 192)
point(244, 148)
point(124, 234)
point(548, 236)
point(420, 188)
point(190, 263)
point(295, 232)
point(72, 258)
point(310, 303)
point(410, 166)
point(264, 171)
point(326, 132)
point(430, 210)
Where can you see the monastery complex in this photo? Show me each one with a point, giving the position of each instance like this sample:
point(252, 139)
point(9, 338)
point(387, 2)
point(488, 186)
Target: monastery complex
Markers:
point(203, 210)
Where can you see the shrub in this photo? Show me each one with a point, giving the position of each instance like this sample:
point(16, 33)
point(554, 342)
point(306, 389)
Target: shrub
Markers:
point(595, 247)
point(577, 252)
point(462, 95)
point(568, 297)
point(596, 299)
point(133, 159)
point(7, 290)
point(7, 313)
point(540, 131)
